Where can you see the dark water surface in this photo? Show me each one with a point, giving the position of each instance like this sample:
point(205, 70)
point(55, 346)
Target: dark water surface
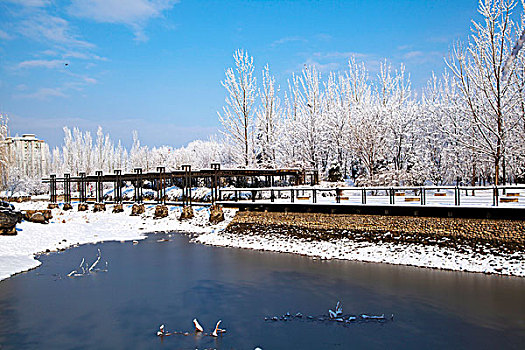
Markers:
point(170, 283)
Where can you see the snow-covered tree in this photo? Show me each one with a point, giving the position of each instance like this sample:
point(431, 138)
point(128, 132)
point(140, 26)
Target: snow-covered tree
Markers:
point(4, 154)
point(266, 122)
point(238, 115)
point(489, 97)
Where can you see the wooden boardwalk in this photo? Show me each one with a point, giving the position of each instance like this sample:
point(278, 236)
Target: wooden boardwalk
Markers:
point(186, 178)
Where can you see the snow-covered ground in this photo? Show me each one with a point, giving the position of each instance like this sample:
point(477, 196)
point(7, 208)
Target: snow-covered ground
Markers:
point(72, 228)
point(393, 253)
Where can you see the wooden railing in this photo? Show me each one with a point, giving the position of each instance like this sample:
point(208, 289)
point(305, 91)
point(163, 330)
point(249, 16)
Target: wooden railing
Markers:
point(493, 195)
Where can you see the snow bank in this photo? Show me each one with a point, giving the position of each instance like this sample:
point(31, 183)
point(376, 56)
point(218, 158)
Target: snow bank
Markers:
point(392, 253)
point(72, 228)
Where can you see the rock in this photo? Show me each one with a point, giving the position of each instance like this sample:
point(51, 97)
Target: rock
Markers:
point(161, 211)
point(52, 206)
point(5, 205)
point(38, 218)
point(118, 208)
point(67, 206)
point(137, 209)
point(82, 207)
point(8, 220)
point(27, 214)
point(216, 214)
point(187, 213)
point(99, 207)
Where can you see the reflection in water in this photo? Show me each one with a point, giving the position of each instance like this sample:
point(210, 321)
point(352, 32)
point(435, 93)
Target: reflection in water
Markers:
point(172, 283)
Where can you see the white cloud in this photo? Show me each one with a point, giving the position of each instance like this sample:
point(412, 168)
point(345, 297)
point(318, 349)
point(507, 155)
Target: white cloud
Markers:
point(323, 67)
point(413, 54)
point(83, 56)
point(134, 13)
point(49, 53)
point(90, 80)
point(21, 87)
point(41, 63)
point(4, 35)
point(43, 94)
point(48, 28)
point(289, 39)
point(341, 55)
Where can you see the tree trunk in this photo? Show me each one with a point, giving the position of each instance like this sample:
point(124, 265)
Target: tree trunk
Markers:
point(496, 171)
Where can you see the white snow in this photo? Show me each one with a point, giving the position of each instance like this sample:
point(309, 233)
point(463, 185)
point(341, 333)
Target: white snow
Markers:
point(17, 252)
point(400, 254)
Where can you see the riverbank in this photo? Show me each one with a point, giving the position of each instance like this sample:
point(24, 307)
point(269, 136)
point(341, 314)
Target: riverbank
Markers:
point(72, 228)
point(486, 246)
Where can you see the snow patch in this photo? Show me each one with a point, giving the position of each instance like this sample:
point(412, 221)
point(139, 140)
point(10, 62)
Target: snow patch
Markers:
point(72, 228)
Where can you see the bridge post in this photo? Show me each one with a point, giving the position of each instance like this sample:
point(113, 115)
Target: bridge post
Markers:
point(161, 186)
point(117, 190)
point(186, 190)
point(53, 188)
point(363, 196)
point(215, 182)
point(99, 187)
point(137, 195)
point(67, 188)
point(82, 187)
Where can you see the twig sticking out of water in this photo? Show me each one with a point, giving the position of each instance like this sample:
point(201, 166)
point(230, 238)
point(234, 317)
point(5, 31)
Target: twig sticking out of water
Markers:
point(198, 330)
point(338, 311)
point(336, 316)
point(198, 327)
point(217, 330)
point(96, 261)
point(88, 270)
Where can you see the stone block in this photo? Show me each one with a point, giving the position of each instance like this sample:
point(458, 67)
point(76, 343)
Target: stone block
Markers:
point(8, 220)
point(118, 208)
point(82, 207)
point(137, 209)
point(28, 214)
point(99, 207)
point(216, 214)
point(161, 211)
point(187, 213)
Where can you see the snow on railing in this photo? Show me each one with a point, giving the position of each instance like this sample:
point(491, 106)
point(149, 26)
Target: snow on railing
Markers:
point(442, 195)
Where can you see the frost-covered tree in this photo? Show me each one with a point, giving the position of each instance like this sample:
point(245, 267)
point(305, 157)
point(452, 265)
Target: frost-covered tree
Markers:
point(310, 123)
point(139, 156)
point(489, 97)
point(4, 154)
point(237, 116)
point(266, 123)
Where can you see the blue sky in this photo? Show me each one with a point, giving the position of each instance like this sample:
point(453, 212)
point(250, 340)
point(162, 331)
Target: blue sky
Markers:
point(156, 65)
